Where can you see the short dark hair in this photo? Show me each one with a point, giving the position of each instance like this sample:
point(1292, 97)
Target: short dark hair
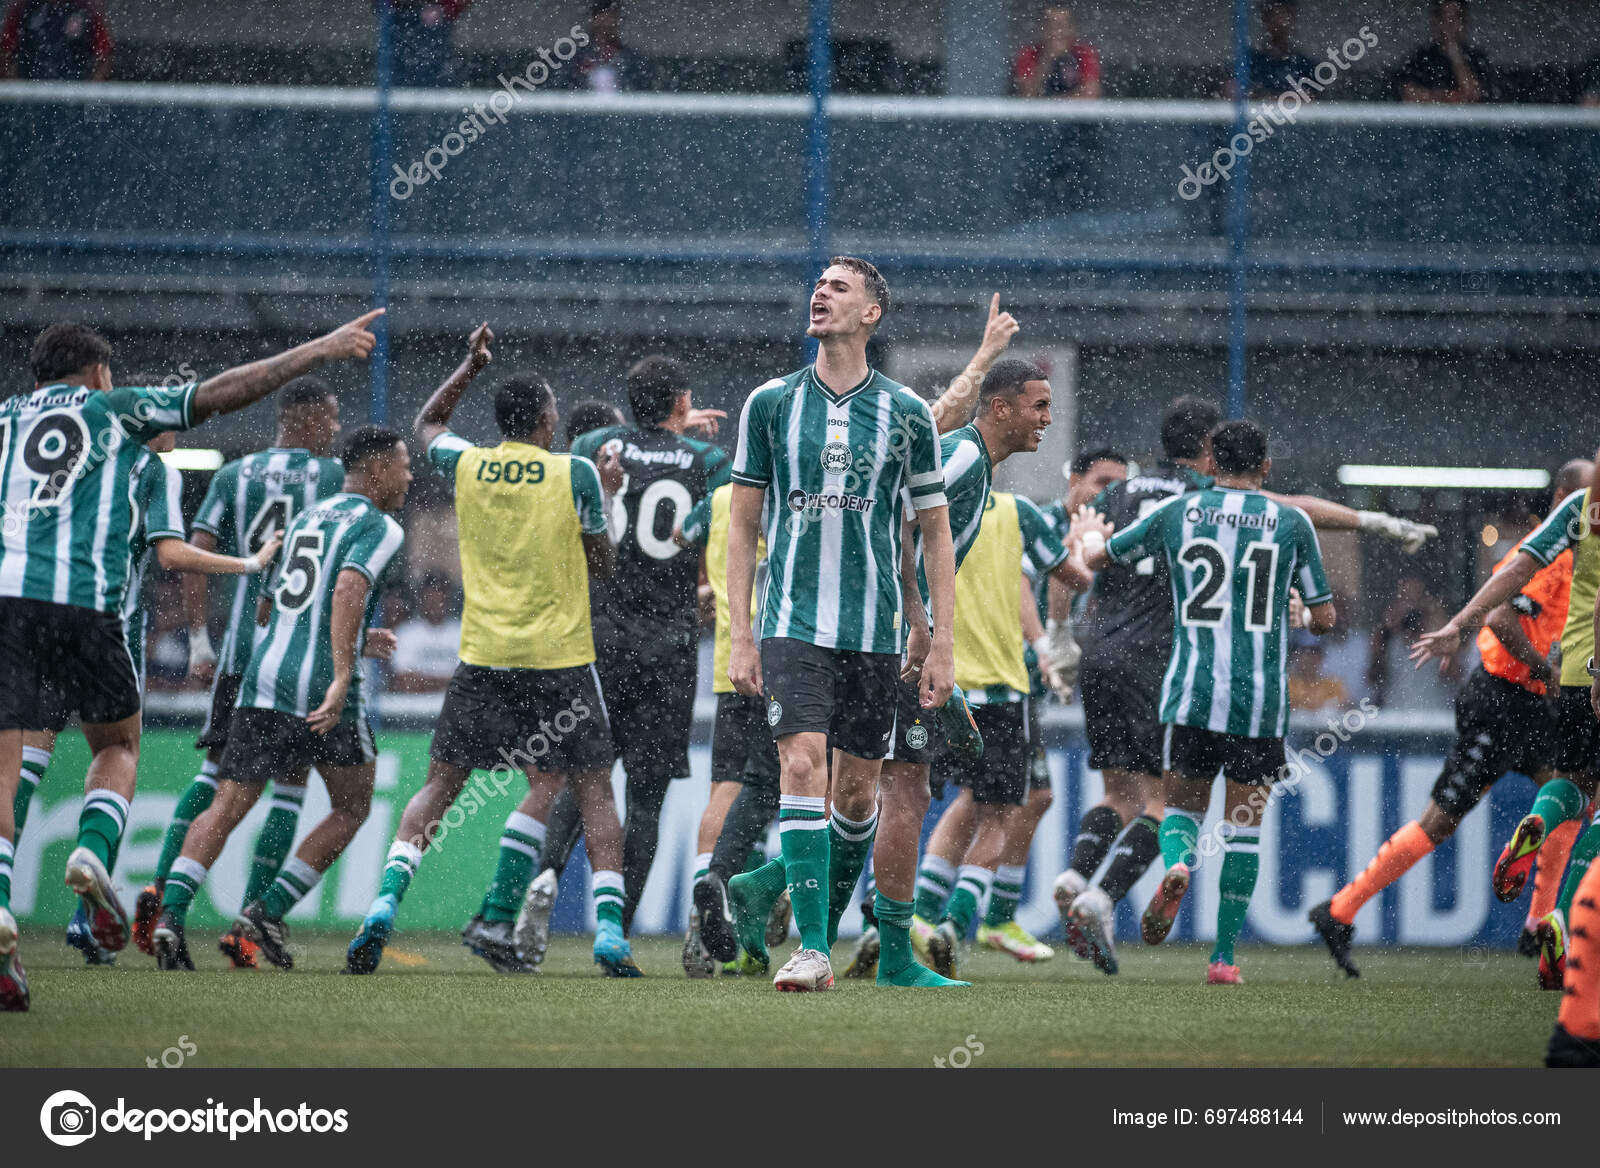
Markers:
point(1081, 462)
point(1239, 447)
point(655, 383)
point(1007, 376)
point(303, 391)
point(520, 404)
point(877, 286)
point(1185, 424)
point(66, 347)
point(590, 415)
point(367, 442)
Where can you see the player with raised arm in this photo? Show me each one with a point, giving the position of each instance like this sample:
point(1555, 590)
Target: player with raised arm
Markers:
point(67, 449)
point(525, 695)
point(301, 698)
point(833, 453)
point(157, 536)
point(247, 499)
point(1126, 630)
point(1543, 839)
point(1505, 721)
point(1233, 555)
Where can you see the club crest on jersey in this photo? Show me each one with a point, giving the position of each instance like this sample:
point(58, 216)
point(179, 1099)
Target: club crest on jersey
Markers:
point(774, 712)
point(916, 736)
point(836, 457)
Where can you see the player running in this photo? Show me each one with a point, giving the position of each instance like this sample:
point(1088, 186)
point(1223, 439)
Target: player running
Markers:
point(66, 455)
point(1233, 554)
point(525, 695)
point(247, 500)
point(158, 536)
point(1505, 721)
point(1126, 634)
point(337, 557)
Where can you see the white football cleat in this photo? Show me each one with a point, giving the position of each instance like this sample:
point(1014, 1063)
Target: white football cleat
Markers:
point(531, 935)
point(1069, 886)
point(807, 970)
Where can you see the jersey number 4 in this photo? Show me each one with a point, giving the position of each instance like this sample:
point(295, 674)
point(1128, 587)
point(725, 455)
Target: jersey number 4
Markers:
point(1208, 566)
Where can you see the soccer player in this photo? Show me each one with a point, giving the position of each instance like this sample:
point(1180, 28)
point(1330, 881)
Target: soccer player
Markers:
point(301, 698)
point(1545, 836)
point(834, 452)
point(1127, 641)
point(247, 500)
point(65, 483)
point(1233, 554)
point(744, 761)
point(525, 695)
point(1505, 721)
point(157, 535)
point(992, 601)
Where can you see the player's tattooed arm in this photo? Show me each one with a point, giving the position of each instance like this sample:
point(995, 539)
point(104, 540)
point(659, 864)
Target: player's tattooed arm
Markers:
point(1445, 641)
point(434, 417)
point(744, 523)
point(349, 607)
point(233, 389)
point(955, 405)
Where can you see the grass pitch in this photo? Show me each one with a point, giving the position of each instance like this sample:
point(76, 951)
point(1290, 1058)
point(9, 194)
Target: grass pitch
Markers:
point(434, 1004)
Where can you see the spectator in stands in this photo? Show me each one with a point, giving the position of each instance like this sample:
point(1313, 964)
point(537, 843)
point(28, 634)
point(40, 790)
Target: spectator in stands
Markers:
point(1312, 689)
point(1396, 683)
point(605, 64)
point(1449, 69)
point(427, 645)
point(1060, 64)
point(1274, 66)
point(55, 40)
point(423, 40)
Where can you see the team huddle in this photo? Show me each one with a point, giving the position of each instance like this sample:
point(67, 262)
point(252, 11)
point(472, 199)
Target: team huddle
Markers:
point(887, 625)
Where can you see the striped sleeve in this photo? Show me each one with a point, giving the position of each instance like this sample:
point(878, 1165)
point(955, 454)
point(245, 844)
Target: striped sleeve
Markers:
point(162, 501)
point(1144, 538)
point(213, 509)
point(924, 470)
point(445, 451)
point(1562, 528)
point(588, 497)
point(1309, 576)
point(752, 459)
point(374, 547)
point(1042, 550)
point(153, 409)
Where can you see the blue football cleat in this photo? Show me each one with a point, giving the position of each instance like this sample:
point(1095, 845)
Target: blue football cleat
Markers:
point(612, 952)
point(81, 939)
point(367, 949)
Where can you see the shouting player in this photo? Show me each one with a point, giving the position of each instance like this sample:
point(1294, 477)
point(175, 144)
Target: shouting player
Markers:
point(1233, 555)
point(65, 482)
point(247, 500)
point(301, 698)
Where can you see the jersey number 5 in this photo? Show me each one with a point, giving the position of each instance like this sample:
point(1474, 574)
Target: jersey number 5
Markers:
point(1206, 557)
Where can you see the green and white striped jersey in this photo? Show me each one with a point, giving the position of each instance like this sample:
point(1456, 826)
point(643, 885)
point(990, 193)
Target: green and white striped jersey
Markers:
point(838, 471)
point(66, 471)
point(968, 474)
point(157, 515)
point(249, 498)
point(1233, 556)
point(291, 662)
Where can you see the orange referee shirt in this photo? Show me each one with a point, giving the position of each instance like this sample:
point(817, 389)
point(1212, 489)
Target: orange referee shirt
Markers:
point(1542, 608)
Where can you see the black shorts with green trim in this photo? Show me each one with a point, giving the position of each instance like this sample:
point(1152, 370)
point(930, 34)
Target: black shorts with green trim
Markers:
point(273, 745)
point(742, 749)
point(1197, 754)
point(845, 694)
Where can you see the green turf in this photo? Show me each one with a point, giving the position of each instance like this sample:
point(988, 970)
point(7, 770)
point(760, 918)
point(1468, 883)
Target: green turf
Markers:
point(434, 1004)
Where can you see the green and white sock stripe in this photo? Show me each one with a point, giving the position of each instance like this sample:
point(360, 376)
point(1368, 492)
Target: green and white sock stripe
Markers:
point(605, 888)
point(403, 855)
point(287, 799)
point(1240, 839)
point(802, 813)
point(208, 774)
point(183, 882)
point(35, 761)
point(104, 802)
point(294, 882)
point(523, 833)
point(7, 854)
point(1006, 891)
point(975, 880)
point(702, 866)
point(936, 880)
point(854, 831)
